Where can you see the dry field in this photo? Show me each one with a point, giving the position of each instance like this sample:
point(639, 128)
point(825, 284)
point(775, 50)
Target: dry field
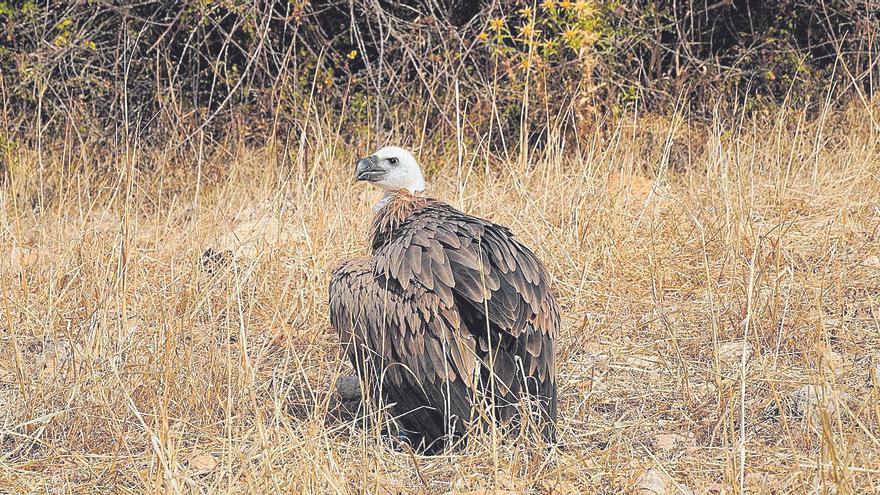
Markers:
point(720, 291)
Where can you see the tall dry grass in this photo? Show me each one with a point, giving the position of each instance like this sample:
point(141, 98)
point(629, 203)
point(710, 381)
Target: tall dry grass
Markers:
point(705, 277)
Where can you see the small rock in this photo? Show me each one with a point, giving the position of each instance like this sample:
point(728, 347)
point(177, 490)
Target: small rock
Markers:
point(835, 361)
point(807, 398)
point(595, 350)
point(203, 463)
point(658, 315)
point(134, 324)
point(872, 262)
point(643, 364)
point(348, 387)
point(717, 488)
point(21, 257)
point(594, 354)
point(50, 361)
point(756, 481)
point(382, 485)
point(652, 482)
point(730, 353)
point(823, 488)
point(706, 389)
point(832, 323)
point(670, 441)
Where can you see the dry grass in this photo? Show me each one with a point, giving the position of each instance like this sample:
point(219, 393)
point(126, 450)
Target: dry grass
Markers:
point(125, 367)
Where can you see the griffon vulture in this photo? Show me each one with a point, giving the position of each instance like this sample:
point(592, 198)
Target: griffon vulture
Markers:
point(450, 320)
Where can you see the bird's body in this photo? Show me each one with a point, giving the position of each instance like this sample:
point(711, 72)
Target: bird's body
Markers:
point(449, 316)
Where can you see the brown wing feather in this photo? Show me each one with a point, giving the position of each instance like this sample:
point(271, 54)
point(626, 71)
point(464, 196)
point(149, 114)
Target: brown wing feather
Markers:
point(410, 340)
point(498, 287)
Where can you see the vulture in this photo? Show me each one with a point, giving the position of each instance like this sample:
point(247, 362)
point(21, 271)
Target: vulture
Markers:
point(450, 322)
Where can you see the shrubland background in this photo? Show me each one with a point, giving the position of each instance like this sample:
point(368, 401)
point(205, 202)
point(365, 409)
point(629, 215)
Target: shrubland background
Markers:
point(701, 179)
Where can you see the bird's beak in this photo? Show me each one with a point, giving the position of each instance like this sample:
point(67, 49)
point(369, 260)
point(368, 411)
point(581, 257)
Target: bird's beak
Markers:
point(368, 169)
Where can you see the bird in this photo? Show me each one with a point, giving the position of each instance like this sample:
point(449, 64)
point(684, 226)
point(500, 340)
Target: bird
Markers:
point(450, 321)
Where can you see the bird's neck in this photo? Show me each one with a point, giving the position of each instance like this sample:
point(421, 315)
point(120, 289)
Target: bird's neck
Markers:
point(394, 207)
point(386, 198)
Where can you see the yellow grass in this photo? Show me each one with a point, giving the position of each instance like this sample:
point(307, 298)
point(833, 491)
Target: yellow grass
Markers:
point(126, 368)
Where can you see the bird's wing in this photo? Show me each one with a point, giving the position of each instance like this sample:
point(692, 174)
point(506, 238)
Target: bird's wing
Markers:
point(407, 343)
point(498, 286)
point(453, 254)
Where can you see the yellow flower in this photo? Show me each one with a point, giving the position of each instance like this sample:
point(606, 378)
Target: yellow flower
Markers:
point(352, 54)
point(573, 38)
point(565, 4)
point(496, 24)
point(581, 5)
point(548, 4)
point(526, 12)
point(483, 36)
point(525, 64)
point(527, 30)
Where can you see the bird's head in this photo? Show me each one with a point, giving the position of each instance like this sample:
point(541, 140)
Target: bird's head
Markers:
point(391, 168)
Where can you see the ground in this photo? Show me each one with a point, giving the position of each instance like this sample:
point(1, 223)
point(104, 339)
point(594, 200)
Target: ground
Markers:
point(720, 294)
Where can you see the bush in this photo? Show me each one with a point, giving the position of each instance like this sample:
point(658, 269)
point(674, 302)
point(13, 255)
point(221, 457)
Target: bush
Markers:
point(197, 65)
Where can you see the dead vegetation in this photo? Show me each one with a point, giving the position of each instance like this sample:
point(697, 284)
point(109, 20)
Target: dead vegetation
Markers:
point(721, 328)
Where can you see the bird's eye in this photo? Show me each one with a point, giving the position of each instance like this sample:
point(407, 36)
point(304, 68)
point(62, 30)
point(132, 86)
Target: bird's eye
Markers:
point(392, 161)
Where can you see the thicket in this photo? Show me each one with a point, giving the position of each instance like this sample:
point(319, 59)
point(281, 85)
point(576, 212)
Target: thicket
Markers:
point(174, 69)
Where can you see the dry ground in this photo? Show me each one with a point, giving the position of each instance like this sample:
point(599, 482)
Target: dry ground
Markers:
point(720, 293)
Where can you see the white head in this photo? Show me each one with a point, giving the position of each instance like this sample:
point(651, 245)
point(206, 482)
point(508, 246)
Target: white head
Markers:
point(391, 168)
